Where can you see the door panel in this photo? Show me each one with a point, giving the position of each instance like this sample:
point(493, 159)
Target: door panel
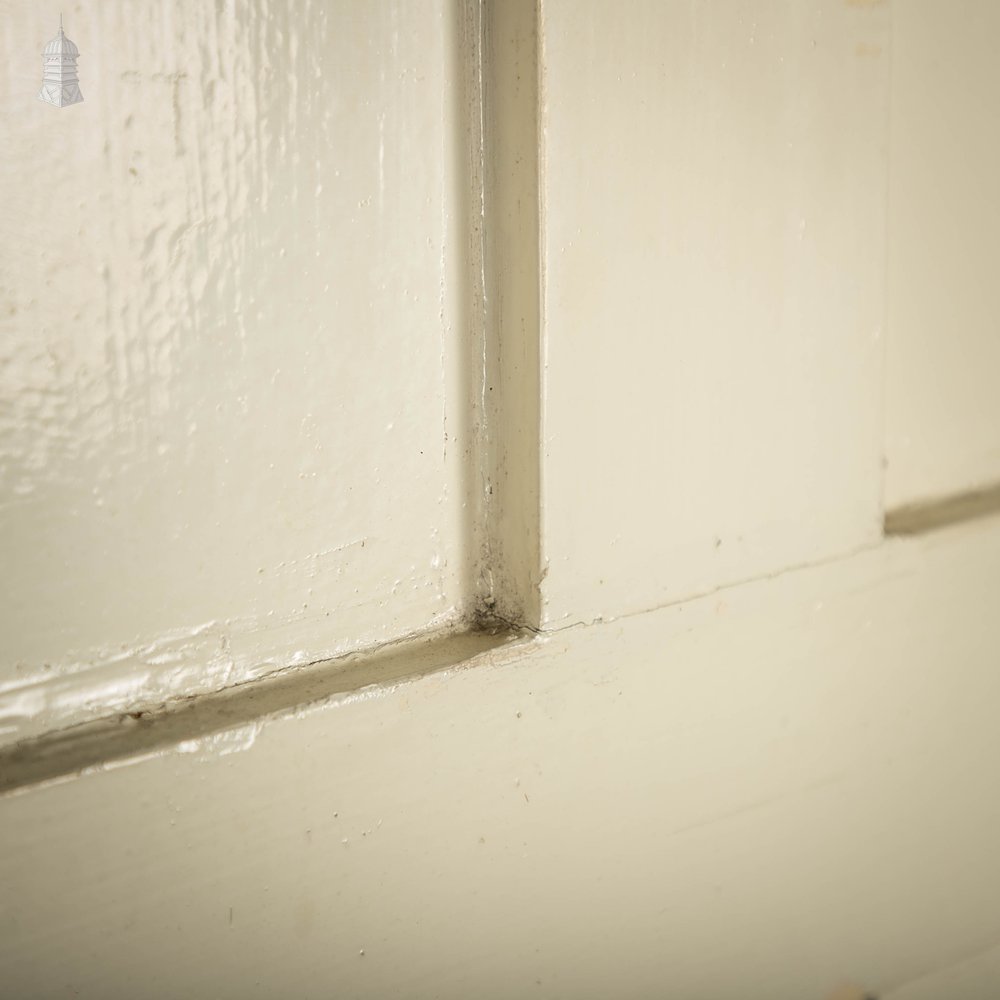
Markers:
point(714, 248)
point(943, 365)
point(231, 431)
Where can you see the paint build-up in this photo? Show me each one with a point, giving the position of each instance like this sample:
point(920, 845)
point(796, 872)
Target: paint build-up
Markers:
point(224, 345)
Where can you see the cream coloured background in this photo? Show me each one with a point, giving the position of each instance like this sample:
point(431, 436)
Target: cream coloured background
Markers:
point(782, 788)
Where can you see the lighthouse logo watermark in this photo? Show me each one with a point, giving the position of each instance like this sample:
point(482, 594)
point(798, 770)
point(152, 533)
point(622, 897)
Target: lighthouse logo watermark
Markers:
point(60, 85)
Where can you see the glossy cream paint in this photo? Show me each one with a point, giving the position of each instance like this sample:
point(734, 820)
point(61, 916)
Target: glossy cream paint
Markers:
point(784, 788)
point(714, 180)
point(233, 426)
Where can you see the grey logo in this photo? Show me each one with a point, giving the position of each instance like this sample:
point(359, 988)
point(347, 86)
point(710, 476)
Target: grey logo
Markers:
point(60, 85)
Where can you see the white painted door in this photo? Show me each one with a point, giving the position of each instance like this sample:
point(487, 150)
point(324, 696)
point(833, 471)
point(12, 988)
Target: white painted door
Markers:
point(654, 282)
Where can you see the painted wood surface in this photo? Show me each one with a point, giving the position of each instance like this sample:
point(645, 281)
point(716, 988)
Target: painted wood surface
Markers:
point(772, 791)
point(783, 788)
point(233, 420)
point(943, 363)
point(714, 294)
